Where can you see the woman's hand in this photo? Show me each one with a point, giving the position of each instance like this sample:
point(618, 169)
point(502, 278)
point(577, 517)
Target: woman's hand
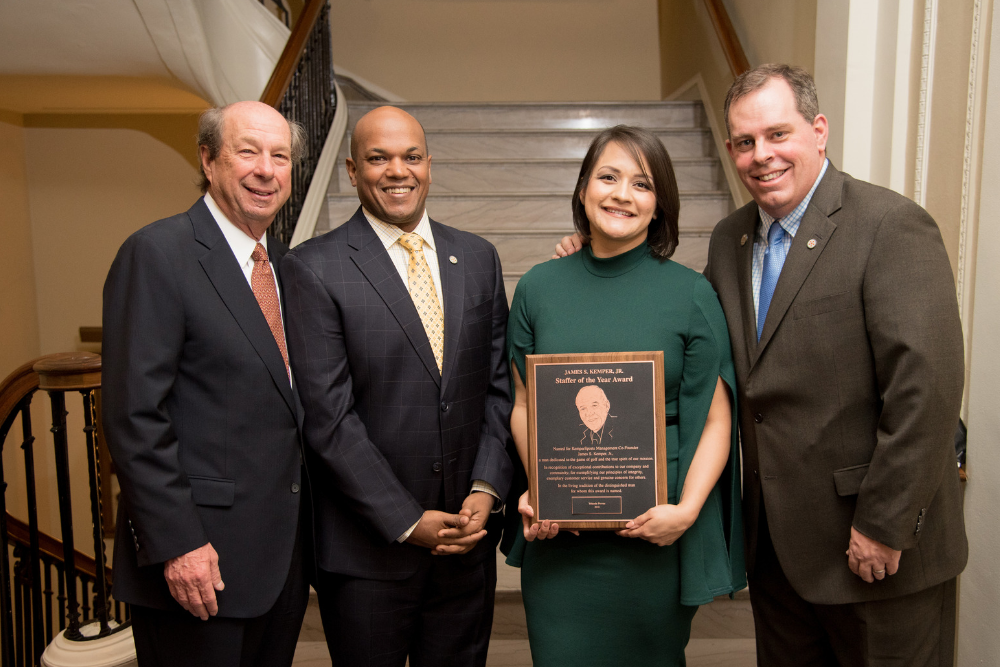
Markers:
point(543, 530)
point(661, 525)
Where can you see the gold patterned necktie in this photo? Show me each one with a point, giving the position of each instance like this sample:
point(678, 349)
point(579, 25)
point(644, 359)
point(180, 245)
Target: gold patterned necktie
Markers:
point(262, 284)
point(425, 298)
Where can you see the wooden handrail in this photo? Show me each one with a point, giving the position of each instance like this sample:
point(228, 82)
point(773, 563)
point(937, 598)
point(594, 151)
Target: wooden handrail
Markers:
point(283, 72)
point(735, 56)
point(17, 530)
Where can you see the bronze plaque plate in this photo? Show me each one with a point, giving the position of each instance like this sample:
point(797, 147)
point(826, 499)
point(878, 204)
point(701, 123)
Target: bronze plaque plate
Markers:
point(597, 452)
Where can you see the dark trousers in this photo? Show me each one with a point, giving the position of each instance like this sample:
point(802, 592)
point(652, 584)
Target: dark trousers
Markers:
point(441, 616)
point(175, 638)
point(916, 630)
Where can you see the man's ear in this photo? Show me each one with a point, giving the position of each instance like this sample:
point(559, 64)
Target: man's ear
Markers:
point(729, 149)
point(352, 171)
point(821, 127)
point(206, 163)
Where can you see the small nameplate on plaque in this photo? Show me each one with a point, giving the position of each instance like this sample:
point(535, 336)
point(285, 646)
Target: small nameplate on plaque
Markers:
point(597, 505)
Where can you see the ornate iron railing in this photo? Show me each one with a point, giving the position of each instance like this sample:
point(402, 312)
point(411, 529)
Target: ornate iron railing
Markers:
point(46, 585)
point(302, 89)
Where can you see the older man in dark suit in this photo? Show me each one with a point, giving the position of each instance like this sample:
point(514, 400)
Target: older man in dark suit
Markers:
point(397, 331)
point(842, 312)
point(201, 417)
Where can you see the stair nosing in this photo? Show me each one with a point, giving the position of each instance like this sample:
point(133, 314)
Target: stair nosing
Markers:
point(684, 194)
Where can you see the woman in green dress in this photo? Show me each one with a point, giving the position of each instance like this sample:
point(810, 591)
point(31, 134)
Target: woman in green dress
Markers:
point(606, 598)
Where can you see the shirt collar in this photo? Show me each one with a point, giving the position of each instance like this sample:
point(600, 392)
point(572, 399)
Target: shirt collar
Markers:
point(389, 234)
point(790, 223)
point(242, 245)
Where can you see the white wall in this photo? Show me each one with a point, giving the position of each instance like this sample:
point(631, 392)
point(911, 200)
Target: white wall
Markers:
point(978, 638)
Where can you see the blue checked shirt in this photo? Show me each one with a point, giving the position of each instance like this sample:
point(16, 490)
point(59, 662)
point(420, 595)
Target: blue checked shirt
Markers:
point(790, 223)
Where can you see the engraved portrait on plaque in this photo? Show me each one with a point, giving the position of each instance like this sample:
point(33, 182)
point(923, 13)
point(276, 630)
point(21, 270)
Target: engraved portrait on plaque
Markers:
point(596, 437)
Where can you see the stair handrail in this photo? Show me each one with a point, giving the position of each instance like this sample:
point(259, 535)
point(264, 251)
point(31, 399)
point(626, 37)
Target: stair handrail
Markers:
point(302, 87)
point(19, 532)
point(728, 39)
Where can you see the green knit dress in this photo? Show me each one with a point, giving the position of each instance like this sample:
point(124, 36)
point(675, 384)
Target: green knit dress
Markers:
point(599, 599)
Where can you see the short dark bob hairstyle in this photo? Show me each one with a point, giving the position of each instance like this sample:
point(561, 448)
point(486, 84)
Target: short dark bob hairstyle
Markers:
point(644, 147)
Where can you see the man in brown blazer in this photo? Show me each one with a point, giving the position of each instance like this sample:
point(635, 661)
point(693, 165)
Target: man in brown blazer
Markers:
point(849, 361)
point(847, 343)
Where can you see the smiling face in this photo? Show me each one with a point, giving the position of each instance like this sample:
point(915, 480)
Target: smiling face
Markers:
point(594, 406)
point(390, 167)
point(250, 178)
point(619, 202)
point(777, 152)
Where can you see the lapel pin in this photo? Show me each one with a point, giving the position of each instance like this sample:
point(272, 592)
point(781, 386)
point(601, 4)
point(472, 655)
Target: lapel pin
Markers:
point(811, 244)
point(453, 259)
point(743, 241)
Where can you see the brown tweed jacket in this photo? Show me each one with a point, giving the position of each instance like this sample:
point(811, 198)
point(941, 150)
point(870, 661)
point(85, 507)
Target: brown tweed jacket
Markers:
point(849, 402)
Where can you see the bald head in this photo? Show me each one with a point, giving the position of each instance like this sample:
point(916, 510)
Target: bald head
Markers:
point(381, 118)
point(390, 166)
point(594, 406)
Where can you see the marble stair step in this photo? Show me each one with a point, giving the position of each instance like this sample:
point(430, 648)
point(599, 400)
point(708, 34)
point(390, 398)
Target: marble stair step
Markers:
point(524, 143)
point(541, 175)
point(490, 211)
point(520, 253)
point(591, 115)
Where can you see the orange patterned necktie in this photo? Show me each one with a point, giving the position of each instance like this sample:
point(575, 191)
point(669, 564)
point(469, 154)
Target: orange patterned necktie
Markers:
point(262, 284)
point(425, 298)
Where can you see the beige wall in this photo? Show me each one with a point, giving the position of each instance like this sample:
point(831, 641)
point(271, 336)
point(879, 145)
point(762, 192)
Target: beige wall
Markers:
point(18, 316)
point(71, 197)
point(776, 31)
point(501, 50)
point(90, 189)
point(947, 129)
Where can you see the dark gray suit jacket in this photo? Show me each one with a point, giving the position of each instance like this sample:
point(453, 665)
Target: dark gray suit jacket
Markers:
point(199, 415)
point(389, 436)
point(849, 402)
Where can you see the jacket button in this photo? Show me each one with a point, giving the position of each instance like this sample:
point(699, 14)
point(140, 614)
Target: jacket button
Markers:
point(295, 487)
point(436, 467)
point(758, 418)
point(755, 474)
point(445, 406)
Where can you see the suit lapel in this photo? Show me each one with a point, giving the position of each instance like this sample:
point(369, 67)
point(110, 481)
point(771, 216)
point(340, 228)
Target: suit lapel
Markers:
point(231, 284)
point(744, 264)
point(815, 226)
point(453, 289)
point(373, 261)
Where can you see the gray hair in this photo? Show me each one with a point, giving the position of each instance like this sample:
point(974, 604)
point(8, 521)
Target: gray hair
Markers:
point(211, 127)
point(800, 81)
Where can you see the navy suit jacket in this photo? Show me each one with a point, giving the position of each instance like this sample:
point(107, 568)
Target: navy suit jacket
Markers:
point(390, 436)
point(199, 416)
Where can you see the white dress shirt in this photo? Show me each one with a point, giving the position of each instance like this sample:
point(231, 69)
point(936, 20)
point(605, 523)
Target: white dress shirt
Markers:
point(243, 247)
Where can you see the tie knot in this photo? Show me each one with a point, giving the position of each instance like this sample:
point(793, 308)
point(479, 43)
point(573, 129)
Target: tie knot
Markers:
point(775, 234)
point(412, 242)
point(259, 254)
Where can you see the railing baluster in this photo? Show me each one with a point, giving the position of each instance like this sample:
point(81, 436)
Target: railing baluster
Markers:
point(96, 513)
point(28, 446)
point(61, 596)
point(60, 437)
point(19, 605)
point(47, 593)
point(6, 572)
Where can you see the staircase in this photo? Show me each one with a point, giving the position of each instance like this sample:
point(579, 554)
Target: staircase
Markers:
point(507, 171)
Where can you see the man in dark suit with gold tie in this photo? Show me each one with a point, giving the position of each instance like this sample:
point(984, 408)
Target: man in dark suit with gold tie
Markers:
point(397, 330)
